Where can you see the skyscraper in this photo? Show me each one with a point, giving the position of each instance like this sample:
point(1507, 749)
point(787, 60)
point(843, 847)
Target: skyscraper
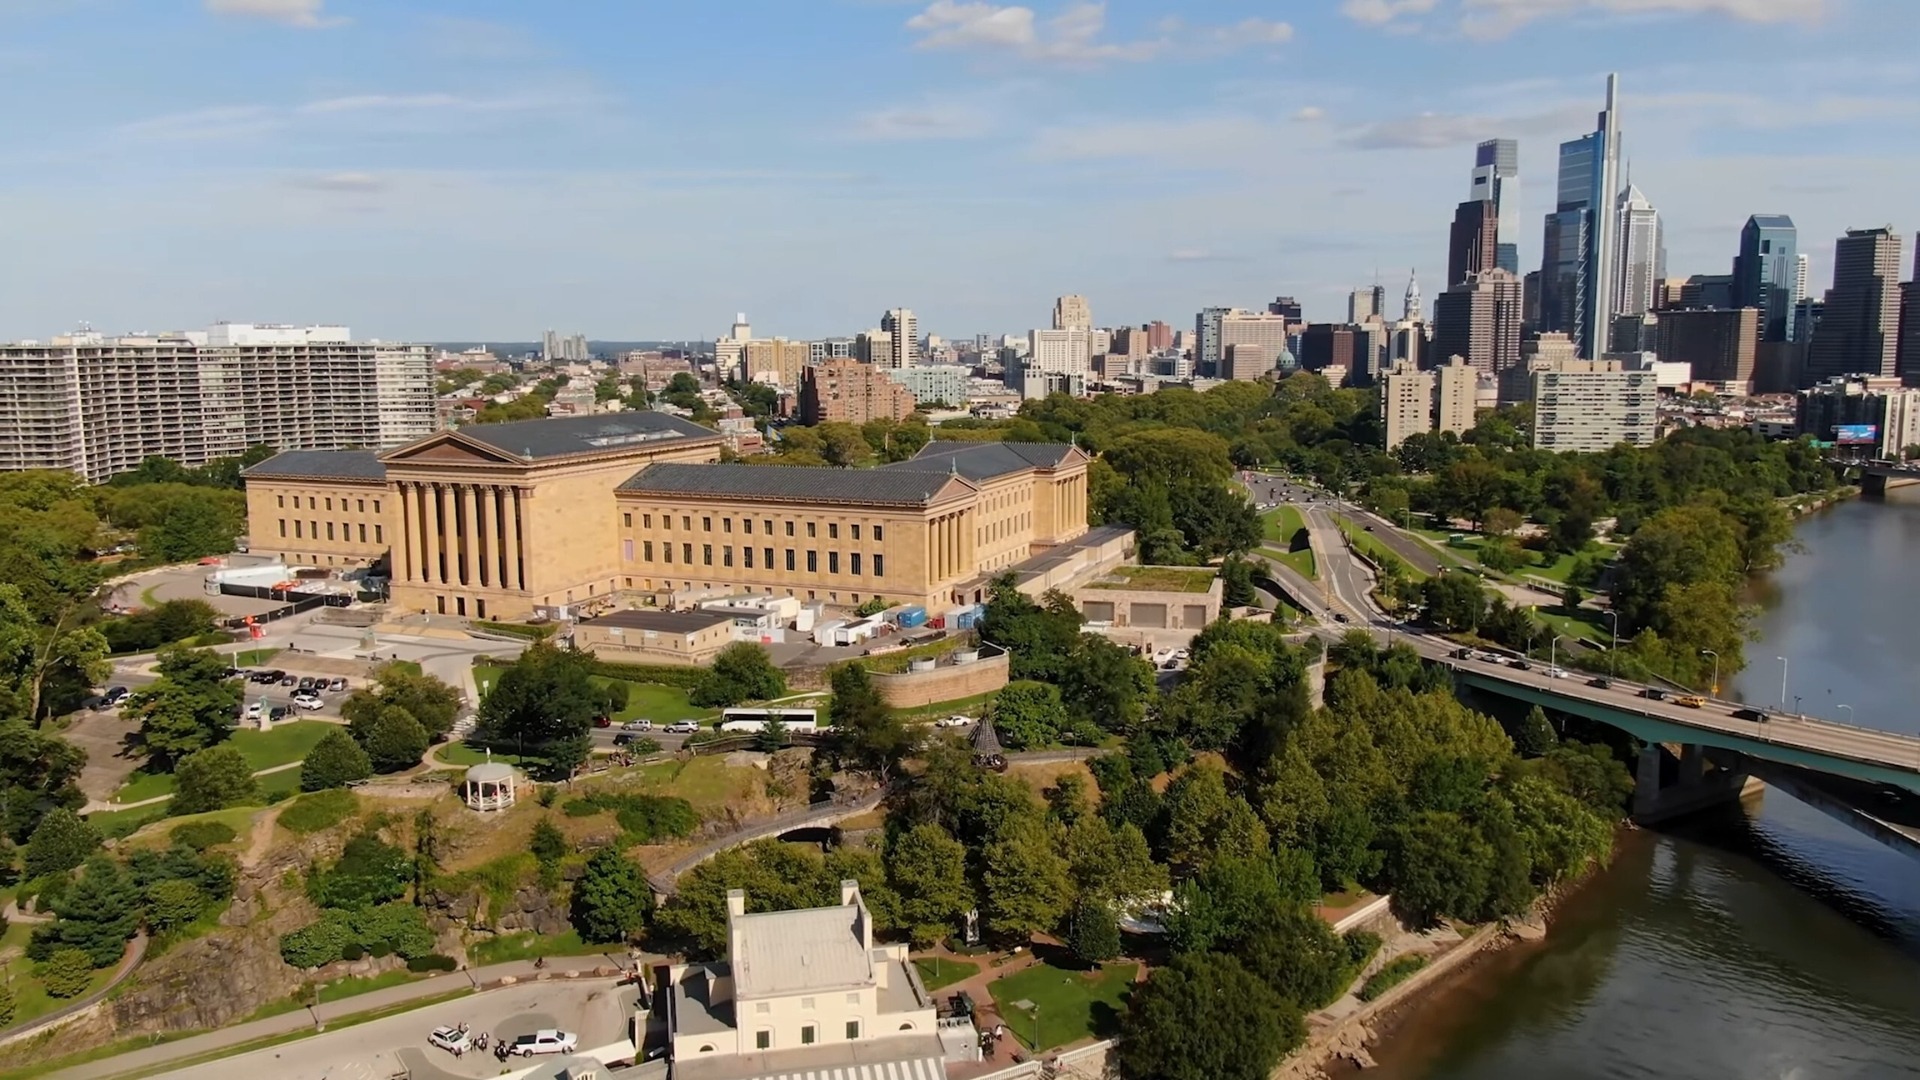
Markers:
point(1577, 269)
point(1859, 331)
point(1907, 356)
point(1286, 305)
point(1472, 242)
point(1206, 340)
point(1072, 313)
point(1766, 273)
point(905, 328)
point(1364, 304)
point(1643, 255)
point(1479, 319)
point(1496, 179)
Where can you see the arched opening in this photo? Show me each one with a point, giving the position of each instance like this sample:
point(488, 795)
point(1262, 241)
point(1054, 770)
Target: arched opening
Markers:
point(706, 1048)
point(908, 1026)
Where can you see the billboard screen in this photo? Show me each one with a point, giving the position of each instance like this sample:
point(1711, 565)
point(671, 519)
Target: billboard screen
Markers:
point(1856, 434)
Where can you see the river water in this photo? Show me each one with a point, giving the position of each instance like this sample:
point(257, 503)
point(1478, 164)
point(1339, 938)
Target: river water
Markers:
point(1765, 942)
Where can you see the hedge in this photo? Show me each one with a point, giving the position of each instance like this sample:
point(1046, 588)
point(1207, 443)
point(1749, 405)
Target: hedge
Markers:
point(1395, 973)
point(532, 632)
point(658, 674)
point(431, 962)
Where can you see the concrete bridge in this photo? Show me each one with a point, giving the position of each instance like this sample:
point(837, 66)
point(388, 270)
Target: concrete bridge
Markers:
point(818, 816)
point(1877, 477)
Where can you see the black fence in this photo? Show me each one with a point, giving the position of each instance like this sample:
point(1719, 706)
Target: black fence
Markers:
point(297, 602)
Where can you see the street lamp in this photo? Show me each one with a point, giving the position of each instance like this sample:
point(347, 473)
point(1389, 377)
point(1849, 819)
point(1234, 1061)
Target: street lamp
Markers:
point(1613, 644)
point(1849, 709)
point(1783, 680)
point(1716, 674)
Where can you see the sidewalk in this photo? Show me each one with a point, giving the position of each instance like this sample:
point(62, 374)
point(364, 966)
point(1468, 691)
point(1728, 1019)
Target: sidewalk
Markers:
point(315, 1019)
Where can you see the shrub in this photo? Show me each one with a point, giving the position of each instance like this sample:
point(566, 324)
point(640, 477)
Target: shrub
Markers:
point(335, 761)
point(6, 1006)
point(643, 746)
point(60, 842)
point(581, 808)
point(532, 632)
point(316, 944)
point(320, 810)
point(685, 678)
point(370, 871)
point(353, 951)
point(549, 844)
point(432, 962)
point(201, 835)
point(1396, 972)
point(67, 973)
point(1361, 945)
point(645, 818)
point(213, 779)
point(549, 794)
point(173, 903)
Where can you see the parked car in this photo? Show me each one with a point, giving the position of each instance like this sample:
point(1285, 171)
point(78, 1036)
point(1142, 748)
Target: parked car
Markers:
point(545, 1041)
point(1340, 617)
point(306, 682)
point(254, 711)
point(682, 727)
point(234, 672)
point(279, 713)
point(336, 685)
point(603, 721)
point(954, 721)
point(307, 700)
point(637, 725)
point(289, 680)
point(115, 695)
point(451, 1039)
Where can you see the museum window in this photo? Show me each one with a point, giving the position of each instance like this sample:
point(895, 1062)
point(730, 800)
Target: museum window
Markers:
point(789, 528)
point(807, 1033)
point(706, 554)
point(878, 534)
point(646, 549)
point(813, 562)
point(853, 1030)
point(686, 553)
point(879, 565)
point(763, 1040)
point(726, 555)
point(283, 502)
point(856, 532)
point(853, 563)
point(833, 531)
point(626, 521)
point(810, 530)
point(746, 553)
point(768, 561)
point(283, 528)
point(726, 525)
point(706, 524)
point(378, 538)
point(789, 560)
point(833, 562)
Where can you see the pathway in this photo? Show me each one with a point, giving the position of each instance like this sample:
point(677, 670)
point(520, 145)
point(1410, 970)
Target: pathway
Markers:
point(136, 952)
point(95, 806)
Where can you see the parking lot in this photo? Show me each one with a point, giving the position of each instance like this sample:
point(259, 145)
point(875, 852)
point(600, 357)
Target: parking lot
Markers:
point(598, 1012)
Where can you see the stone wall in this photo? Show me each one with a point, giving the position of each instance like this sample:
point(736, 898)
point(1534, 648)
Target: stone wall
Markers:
point(947, 682)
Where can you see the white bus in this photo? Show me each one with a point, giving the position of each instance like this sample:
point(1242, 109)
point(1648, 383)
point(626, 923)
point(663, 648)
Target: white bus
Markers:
point(746, 720)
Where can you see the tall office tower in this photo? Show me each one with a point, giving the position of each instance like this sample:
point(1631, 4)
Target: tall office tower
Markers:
point(97, 406)
point(1643, 254)
point(1071, 313)
point(1406, 402)
point(1366, 303)
point(1859, 332)
point(1670, 293)
point(1530, 300)
point(1206, 340)
point(1591, 406)
point(1802, 277)
point(1701, 291)
point(1766, 273)
point(1577, 269)
point(1288, 306)
point(1407, 340)
point(1471, 242)
point(1907, 356)
point(1411, 309)
point(1325, 345)
point(1479, 319)
point(1159, 336)
point(1067, 352)
point(1722, 345)
point(1239, 327)
point(728, 349)
point(1247, 363)
point(1455, 385)
point(1496, 179)
point(905, 328)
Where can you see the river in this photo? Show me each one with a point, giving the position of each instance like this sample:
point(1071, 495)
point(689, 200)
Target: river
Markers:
point(1769, 942)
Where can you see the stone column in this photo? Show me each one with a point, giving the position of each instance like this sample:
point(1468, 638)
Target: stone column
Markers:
point(510, 497)
point(487, 553)
point(468, 496)
point(403, 549)
point(432, 509)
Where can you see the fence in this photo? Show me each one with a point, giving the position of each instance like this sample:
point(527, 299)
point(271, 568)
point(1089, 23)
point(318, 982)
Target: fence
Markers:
point(301, 602)
point(1085, 1061)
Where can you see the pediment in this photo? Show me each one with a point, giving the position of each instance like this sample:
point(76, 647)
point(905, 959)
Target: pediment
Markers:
point(448, 448)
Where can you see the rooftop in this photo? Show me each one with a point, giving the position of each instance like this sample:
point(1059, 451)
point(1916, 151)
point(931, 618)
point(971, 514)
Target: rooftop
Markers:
point(776, 953)
point(882, 487)
point(984, 460)
point(1177, 579)
point(561, 436)
point(321, 464)
point(662, 622)
point(901, 1057)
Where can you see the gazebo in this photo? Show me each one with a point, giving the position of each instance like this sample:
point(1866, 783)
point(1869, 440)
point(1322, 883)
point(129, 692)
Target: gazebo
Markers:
point(489, 785)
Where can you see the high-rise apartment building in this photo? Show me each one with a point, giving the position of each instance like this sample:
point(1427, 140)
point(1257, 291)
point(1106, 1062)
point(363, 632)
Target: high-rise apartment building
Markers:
point(1907, 356)
point(874, 347)
point(1859, 331)
point(1072, 313)
point(1578, 267)
point(1802, 277)
point(1496, 179)
point(776, 361)
point(570, 349)
point(1479, 319)
point(1248, 362)
point(934, 384)
point(1325, 345)
point(1591, 406)
point(1067, 352)
point(1892, 410)
point(97, 406)
point(1159, 336)
point(843, 348)
point(728, 349)
point(1268, 331)
point(905, 329)
point(1406, 402)
point(852, 392)
point(1766, 273)
point(1455, 387)
point(1721, 345)
point(1471, 243)
point(1643, 255)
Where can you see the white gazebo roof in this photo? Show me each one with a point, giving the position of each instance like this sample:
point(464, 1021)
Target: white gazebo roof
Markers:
point(490, 772)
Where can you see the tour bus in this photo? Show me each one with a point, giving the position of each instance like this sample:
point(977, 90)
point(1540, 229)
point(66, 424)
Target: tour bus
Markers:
point(795, 720)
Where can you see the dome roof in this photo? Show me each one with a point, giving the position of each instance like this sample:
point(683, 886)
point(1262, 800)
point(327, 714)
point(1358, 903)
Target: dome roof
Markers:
point(489, 772)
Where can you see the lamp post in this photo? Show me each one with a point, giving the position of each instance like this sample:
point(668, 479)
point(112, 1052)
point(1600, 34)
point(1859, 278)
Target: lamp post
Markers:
point(1783, 680)
point(1716, 675)
point(1613, 643)
point(1849, 709)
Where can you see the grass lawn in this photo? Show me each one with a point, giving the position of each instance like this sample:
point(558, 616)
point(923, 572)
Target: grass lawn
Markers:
point(1301, 561)
point(1282, 522)
point(1588, 624)
point(506, 947)
point(284, 782)
point(969, 706)
point(645, 701)
point(285, 743)
point(1159, 579)
point(254, 657)
point(30, 999)
point(459, 753)
point(144, 785)
point(939, 971)
point(1062, 1006)
point(159, 832)
point(115, 823)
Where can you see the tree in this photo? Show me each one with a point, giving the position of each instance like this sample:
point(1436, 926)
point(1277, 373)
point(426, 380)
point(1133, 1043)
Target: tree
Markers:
point(928, 871)
point(67, 973)
point(1040, 637)
point(1025, 880)
point(1682, 545)
point(1455, 601)
point(1105, 687)
point(867, 732)
point(1533, 735)
point(1236, 578)
point(429, 700)
point(611, 900)
point(1205, 1017)
point(213, 779)
point(741, 672)
point(392, 738)
point(99, 913)
point(335, 761)
point(173, 903)
point(1112, 866)
point(1094, 933)
point(1439, 866)
point(1218, 907)
point(548, 843)
point(192, 525)
point(1067, 799)
point(545, 696)
point(1502, 521)
point(190, 707)
point(1029, 715)
point(1300, 957)
point(369, 871)
point(1205, 822)
point(62, 841)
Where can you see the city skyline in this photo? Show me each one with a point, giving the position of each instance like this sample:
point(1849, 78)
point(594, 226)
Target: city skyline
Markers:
point(436, 178)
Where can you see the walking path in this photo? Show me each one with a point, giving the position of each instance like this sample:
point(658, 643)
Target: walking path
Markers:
point(136, 952)
point(96, 806)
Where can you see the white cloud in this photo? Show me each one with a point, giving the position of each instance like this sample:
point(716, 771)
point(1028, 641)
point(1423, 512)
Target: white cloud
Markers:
point(1075, 36)
point(949, 24)
point(929, 120)
point(245, 121)
point(1383, 12)
point(1308, 113)
point(200, 125)
point(1497, 18)
point(1432, 130)
point(1201, 255)
point(305, 14)
point(1257, 32)
point(347, 182)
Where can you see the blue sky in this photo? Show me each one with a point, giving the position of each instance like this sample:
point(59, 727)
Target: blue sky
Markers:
point(484, 169)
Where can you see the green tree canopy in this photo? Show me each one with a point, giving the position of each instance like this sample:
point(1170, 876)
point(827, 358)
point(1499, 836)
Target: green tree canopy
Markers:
point(213, 779)
point(928, 871)
point(335, 761)
point(740, 672)
point(189, 708)
point(1205, 1017)
point(393, 740)
point(61, 841)
point(545, 697)
point(611, 900)
point(427, 699)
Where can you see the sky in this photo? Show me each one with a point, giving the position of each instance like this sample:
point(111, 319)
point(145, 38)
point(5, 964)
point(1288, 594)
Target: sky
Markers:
point(643, 169)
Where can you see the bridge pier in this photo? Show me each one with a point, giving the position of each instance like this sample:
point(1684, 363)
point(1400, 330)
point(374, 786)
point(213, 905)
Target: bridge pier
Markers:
point(1669, 785)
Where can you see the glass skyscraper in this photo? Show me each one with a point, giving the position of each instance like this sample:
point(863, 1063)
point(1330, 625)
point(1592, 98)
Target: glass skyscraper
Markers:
point(1578, 266)
point(1766, 273)
point(1496, 179)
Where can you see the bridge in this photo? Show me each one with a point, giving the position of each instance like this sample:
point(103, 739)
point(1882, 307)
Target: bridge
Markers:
point(1877, 477)
point(818, 816)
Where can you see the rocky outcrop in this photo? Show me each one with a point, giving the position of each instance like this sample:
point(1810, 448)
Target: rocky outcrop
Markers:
point(529, 908)
point(218, 979)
